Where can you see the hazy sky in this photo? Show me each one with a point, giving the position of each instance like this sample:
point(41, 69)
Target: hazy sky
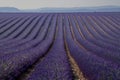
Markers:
point(31, 4)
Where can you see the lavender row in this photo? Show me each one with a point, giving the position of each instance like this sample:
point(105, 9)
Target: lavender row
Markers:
point(97, 50)
point(13, 65)
point(55, 65)
point(27, 44)
point(92, 66)
point(97, 35)
point(98, 42)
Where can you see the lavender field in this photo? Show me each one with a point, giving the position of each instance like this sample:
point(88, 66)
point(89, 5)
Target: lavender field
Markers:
point(60, 46)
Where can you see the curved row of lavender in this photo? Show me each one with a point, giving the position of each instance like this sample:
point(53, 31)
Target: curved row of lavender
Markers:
point(32, 45)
